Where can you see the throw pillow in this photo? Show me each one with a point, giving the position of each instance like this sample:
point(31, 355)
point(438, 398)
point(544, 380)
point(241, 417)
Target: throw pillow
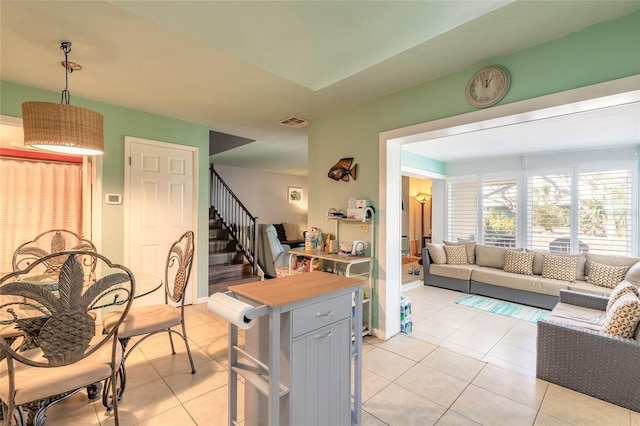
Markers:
point(623, 317)
point(456, 255)
point(633, 274)
point(293, 232)
point(470, 248)
point(518, 262)
point(437, 253)
point(606, 275)
point(282, 236)
point(622, 288)
point(559, 267)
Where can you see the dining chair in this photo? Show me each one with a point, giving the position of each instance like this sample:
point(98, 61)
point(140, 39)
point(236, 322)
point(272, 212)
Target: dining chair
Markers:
point(52, 241)
point(59, 352)
point(147, 321)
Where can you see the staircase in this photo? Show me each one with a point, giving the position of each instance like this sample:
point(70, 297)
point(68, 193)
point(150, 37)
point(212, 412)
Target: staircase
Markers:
point(232, 239)
point(227, 265)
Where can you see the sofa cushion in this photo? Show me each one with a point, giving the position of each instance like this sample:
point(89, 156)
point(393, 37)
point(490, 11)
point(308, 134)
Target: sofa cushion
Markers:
point(456, 255)
point(492, 257)
point(437, 253)
point(577, 316)
point(470, 248)
point(460, 272)
point(518, 262)
point(622, 319)
point(612, 260)
point(292, 231)
point(605, 275)
point(622, 288)
point(584, 287)
point(559, 267)
point(531, 283)
point(633, 274)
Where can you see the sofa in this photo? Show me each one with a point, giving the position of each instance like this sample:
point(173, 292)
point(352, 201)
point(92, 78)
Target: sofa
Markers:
point(290, 234)
point(523, 276)
point(591, 343)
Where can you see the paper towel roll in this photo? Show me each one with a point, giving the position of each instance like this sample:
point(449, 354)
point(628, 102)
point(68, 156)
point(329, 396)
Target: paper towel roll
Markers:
point(231, 309)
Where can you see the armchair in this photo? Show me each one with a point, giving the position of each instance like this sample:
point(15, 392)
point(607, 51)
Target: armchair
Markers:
point(271, 253)
point(589, 361)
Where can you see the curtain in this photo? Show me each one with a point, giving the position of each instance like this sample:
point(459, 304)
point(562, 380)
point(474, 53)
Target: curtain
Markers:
point(36, 197)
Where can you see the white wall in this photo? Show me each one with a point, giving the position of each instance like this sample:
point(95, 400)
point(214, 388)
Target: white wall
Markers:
point(265, 194)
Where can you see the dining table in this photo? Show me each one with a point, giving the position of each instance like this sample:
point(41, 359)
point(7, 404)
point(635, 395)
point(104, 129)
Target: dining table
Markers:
point(145, 285)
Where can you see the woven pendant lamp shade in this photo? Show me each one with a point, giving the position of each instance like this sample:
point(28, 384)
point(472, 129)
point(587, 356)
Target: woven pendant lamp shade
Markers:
point(62, 128)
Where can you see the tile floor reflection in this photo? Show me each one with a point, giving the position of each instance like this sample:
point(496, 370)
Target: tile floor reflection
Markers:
point(461, 366)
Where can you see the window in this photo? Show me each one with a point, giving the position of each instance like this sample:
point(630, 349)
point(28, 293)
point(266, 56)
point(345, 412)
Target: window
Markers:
point(578, 210)
point(36, 196)
point(463, 210)
point(604, 211)
point(549, 213)
point(499, 212)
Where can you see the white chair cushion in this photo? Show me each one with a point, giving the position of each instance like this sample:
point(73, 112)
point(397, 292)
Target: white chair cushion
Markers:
point(34, 383)
point(143, 320)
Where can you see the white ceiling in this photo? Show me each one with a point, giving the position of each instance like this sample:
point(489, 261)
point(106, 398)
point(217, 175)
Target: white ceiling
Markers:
point(580, 130)
point(239, 67)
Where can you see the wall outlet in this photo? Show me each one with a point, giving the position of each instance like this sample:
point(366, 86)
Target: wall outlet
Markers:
point(364, 227)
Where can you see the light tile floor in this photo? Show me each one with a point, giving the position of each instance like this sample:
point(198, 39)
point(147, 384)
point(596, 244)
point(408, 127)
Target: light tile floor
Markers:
point(461, 366)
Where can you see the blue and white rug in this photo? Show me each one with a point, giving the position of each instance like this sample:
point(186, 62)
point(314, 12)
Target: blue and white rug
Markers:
point(501, 307)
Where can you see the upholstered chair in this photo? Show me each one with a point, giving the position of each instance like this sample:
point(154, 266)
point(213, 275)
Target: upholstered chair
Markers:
point(147, 321)
point(271, 253)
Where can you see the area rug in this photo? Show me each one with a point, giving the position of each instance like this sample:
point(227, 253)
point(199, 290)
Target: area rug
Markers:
point(500, 307)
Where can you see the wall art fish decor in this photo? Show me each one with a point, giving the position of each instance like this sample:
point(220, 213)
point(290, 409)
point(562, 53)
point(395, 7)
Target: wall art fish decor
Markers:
point(343, 170)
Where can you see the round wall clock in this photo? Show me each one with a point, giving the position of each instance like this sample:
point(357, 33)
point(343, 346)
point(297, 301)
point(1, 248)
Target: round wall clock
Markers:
point(488, 86)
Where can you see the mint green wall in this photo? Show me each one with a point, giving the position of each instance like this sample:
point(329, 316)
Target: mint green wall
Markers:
point(118, 123)
point(600, 53)
point(419, 162)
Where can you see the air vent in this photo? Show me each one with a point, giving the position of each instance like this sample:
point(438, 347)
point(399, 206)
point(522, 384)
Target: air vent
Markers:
point(295, 122)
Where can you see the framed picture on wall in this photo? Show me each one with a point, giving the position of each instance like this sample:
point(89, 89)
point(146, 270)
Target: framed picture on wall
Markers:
point(294, 195)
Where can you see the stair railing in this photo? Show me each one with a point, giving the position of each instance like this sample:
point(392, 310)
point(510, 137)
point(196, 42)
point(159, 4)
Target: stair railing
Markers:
point(234, 216)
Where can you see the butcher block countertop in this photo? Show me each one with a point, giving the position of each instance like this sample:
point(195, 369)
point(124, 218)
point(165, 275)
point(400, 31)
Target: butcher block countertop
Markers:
point(291, 289)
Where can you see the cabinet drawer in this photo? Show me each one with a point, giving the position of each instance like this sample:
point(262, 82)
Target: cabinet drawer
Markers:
point(311, 317)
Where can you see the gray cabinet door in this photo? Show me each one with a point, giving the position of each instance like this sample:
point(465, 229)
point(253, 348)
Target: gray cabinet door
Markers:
point(320, 376)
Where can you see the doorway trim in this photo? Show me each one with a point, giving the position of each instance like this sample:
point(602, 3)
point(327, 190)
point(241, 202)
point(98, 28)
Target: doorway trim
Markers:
point(602, 95)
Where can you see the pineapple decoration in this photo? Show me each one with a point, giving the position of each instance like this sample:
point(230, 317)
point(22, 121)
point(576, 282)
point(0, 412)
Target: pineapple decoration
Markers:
point(184, 256)
point(63, 335)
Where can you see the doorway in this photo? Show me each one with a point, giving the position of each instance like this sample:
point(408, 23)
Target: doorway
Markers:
point(596, 97)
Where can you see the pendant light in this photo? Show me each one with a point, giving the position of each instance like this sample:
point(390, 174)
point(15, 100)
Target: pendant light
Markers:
point(61, 127)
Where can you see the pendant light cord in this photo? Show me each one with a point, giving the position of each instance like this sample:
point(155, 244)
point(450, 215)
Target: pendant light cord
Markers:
point(66, 95)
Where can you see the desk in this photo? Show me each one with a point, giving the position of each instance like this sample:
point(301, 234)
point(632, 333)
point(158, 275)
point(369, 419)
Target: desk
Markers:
point(348, 261)
point(305, 346)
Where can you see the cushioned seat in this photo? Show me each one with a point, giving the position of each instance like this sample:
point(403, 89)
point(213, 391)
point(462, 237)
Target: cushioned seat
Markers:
point(55, 381)
point(578, 316)
point(145, 319)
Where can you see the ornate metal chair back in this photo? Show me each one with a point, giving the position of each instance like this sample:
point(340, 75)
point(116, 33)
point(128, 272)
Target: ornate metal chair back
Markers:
point(53, 241)
point(178, 267)
point(55, 317)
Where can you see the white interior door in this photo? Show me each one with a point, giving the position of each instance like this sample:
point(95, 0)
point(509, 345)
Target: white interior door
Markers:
point(160, 205)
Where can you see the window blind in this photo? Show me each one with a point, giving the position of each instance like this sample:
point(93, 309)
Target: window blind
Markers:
point(499, 212)
point(604, 211)
point(462, 211)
